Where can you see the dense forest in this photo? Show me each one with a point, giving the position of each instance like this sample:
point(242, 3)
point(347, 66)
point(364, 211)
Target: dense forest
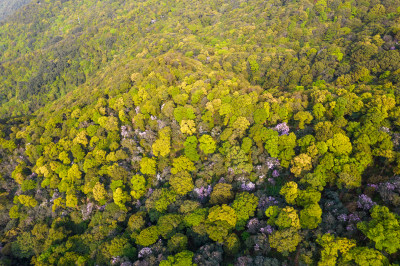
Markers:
point(208, 132)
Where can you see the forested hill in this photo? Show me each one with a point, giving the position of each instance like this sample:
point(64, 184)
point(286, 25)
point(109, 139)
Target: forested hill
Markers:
point(52, 47)
point(200, 133)
point(8, 7)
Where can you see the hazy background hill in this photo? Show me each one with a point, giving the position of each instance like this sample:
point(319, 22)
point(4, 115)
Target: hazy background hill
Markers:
point(8, 7)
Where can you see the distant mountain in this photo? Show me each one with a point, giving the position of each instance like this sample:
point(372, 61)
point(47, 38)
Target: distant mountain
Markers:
point(8, 7)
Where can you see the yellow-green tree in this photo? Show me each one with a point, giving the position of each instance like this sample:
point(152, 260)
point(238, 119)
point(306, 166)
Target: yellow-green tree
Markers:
point(99, 193)
point(188, 127)
point(138, 186)
point(161, 147)
point(148, 166)
point(181, 182)
point(207, 144)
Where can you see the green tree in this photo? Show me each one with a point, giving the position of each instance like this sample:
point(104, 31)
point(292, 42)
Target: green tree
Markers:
point(285, 240)
point(271, 142)
point(319, 111)
point(120, 197)
point(191, 148)
point(310, 216)
point(383, 229)
point(119, 246)
point(220, 220)
point(340, 144)
point(183, 258)
point(138, 186)
point(148, 236)
point(365, 256)
point(303, 117)
point(177, 243)
point(207, 144)
point(24, 246)
point(168, 224)
point(244, 205)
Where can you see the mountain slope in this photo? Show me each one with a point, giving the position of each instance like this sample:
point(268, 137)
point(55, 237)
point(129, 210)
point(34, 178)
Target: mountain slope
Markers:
point(208, 132)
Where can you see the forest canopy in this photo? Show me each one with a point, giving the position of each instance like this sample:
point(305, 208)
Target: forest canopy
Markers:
point(200, 133)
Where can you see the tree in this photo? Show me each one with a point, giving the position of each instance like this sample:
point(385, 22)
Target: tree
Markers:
point(285, 240)
point(160, 199)
point(138, 186)
point(271, 142)
point(240, 125)
point(168, 224)
point(120, 197)
point(222, 193)
point(148, 166)
point(310, 216)
point(365, 256)
point(331, 246)
point(244, 205)
point(74, 174)
point(24, 246)
point(148, 236)
point(110, 123)
point(188, 127)
point(191, 148)
point(261, 115)
point(81, 138)
point(77, 152)
point(180, 259)
point(71, 200)
point(308, 196)
point(350, 175)
point(220, 220)
point(177, 243)
point(27, 201)
point(64, 157)
point(286, 145)
point(184, 113)
point(99, 193)
point(383, 229)
point(232, 244)
point(300, 164)
point(319, 111)
point(303, 117)
point(181, 182)
point(290, 192)
point(161, 147)
point(119, 246)
point(207, 144)
point(340, 144)
point(288, 217)
point(136, 222)
point(182, 163)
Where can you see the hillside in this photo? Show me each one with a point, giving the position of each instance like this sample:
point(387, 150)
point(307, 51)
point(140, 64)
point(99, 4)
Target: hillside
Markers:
point(208, 132)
